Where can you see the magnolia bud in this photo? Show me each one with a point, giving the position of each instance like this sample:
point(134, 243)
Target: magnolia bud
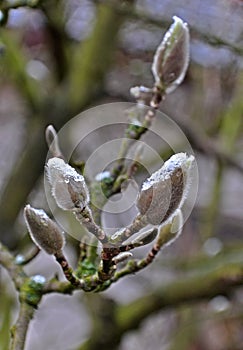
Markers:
point(172, 57)
point(44, 232)
point(68, 187)
point(171, 230)
point(164, 191)
point(145, 237)
point(52, 141)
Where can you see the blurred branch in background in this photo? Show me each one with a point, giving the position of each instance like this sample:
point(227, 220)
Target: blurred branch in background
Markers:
point(80, 87)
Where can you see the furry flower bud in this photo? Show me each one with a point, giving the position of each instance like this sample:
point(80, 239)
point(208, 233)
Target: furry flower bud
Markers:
point(165, 190)
point(68, 187)
point(52, 141)
point(44, 232)
point(172, 57)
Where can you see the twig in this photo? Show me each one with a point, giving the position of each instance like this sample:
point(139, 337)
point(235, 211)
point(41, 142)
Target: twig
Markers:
point(86, 219)
point(19, 330)
point(68, 271)
point(138, 223)
point(16, 272)
point(25, 259)
point(206, 145)
point(163, 22)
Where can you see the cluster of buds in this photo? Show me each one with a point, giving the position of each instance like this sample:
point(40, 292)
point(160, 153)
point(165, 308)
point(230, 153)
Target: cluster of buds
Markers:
point(162, 194)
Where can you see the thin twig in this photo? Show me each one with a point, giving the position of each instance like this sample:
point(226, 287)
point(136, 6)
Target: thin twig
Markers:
point(25, 259)
point(86, 219)
point(15, 271)
point(19, 330)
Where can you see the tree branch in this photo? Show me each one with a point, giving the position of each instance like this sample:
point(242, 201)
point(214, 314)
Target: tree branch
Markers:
point(8, 262)
point(19, 330)
point(86, 81)
point(220, 276)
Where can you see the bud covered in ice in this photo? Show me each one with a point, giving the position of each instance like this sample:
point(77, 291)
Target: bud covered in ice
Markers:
point(172, 57)
point(68, 187)
point(44, 232)
point(165, 190)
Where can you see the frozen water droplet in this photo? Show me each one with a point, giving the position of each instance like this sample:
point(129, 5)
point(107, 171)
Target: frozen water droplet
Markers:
point(19, 259)
point(39, 279)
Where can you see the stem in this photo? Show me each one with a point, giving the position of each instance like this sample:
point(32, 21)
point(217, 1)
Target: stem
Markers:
point(25, 259)
point(19, 330)
point(132, 136)
point(86, 219)
point(8, 262)
point(67, 270)
point(138, 223)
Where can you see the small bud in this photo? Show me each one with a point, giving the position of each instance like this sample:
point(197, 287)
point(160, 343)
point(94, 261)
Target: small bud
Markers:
point(170, 231)
point(52, 141)
point(44, 232)
point(121, 257)
point(145, 237)
point(165, 190)
point(172, 57)
point(68, 187)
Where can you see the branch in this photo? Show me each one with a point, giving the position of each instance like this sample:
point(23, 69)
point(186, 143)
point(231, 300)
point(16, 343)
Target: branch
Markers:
point(202, 286)
point(8, 262)
point(85, 84)
point(220, 276)
point(164, 22)
point(19, 330)
point(207, 146)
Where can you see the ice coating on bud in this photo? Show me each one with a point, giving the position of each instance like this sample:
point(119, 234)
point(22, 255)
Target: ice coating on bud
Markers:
point(165, 190)
point(68, 187)
point(172, 56)
point(44, 232)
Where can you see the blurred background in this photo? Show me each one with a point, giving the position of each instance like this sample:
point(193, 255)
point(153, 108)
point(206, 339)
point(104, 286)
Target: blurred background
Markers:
point(58, 58)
